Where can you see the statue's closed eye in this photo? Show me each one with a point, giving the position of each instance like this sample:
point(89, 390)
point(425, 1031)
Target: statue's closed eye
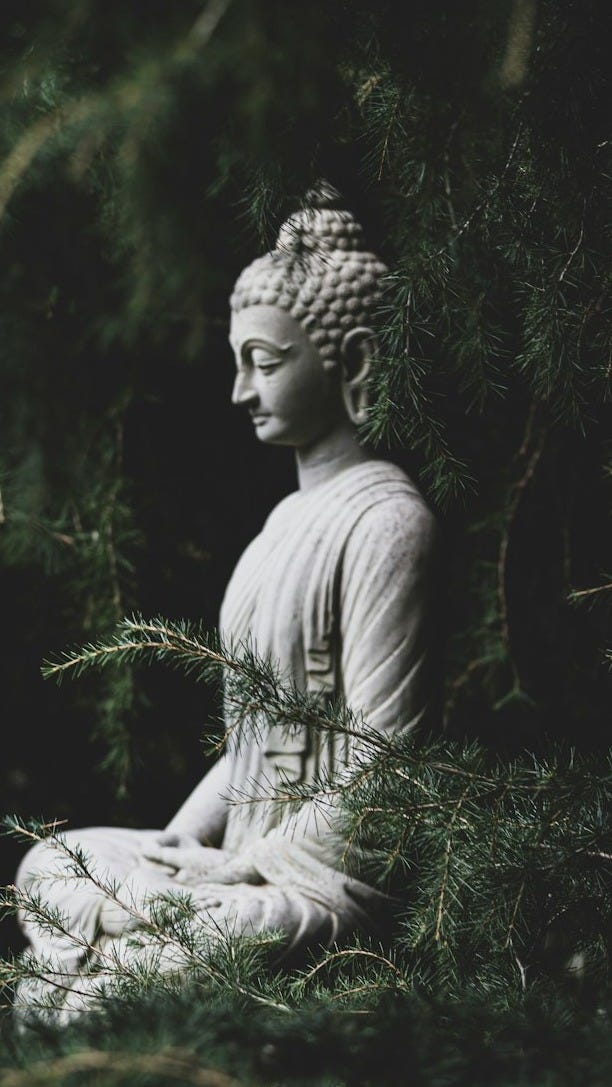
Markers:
point(264, 358)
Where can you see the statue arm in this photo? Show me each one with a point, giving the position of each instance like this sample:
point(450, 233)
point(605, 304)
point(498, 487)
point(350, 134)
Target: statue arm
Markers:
point(385, 608)
point(204, 814)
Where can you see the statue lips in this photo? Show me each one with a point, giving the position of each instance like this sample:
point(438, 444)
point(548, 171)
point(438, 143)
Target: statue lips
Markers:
point(259, 417)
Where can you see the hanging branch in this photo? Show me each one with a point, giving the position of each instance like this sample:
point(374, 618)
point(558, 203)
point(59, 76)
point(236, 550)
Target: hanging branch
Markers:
point(107, 103)
point(256, 692)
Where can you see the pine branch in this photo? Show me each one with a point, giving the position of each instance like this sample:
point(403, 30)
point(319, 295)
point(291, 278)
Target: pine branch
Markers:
point(163, 920)
point(579, 594)
point(256, 691)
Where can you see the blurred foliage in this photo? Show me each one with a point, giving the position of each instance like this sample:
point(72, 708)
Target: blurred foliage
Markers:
point(204, 1037)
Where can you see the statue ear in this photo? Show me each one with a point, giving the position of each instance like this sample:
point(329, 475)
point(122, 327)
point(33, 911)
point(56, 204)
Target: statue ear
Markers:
point(357, 351)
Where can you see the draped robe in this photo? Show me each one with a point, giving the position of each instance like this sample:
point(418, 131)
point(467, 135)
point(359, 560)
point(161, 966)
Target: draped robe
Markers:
point(334, 592)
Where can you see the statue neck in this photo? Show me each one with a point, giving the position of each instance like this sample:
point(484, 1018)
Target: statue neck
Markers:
point(322, 460)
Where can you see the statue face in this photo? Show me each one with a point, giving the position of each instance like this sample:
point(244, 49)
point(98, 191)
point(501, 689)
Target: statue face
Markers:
point(292, 399)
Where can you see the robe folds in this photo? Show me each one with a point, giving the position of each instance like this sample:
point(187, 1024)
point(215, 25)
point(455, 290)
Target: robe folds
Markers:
point(335, 592)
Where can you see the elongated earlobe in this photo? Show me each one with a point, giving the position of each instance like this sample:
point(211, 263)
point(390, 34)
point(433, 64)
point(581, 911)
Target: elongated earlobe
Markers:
point(357, 351)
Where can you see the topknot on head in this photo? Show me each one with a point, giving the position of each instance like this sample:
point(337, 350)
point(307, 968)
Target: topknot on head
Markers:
point(319, 271)
point(321, 226)
point(322, 195)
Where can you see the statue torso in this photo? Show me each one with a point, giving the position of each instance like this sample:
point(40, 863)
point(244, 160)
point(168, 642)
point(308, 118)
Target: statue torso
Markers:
point(285, 599)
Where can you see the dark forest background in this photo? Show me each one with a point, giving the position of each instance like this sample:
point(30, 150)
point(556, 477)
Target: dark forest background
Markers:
point(147, 154)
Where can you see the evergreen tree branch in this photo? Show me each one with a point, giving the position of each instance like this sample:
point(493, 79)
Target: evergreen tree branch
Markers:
point(258, 695)
point(488, 199)
point(351, 955)
point(580, 594)
point(22, 155)
point(165, 920)
point(122, 97)
point(446, 868)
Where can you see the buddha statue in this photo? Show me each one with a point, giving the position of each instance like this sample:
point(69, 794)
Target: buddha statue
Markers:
point(334, 591)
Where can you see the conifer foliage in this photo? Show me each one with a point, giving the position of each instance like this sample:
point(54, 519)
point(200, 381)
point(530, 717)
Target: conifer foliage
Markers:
point(145, 156)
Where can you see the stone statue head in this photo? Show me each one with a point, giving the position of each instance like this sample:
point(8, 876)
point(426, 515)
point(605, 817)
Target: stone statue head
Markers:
point(310, 302)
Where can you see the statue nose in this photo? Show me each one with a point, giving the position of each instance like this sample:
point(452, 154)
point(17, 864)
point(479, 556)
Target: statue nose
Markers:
point(243, 392)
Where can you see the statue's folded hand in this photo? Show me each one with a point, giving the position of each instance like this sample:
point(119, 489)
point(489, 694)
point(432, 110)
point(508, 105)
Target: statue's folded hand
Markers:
point(192, 864)
point(180, 839)
point(189, 855)
point(232, 869)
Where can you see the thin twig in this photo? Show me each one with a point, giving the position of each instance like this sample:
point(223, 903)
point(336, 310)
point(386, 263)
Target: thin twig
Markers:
point(461, 681)
point(107, 524)
point(572, 254)
point(575, 594)
point(519, 490)
point(485, 202)
point(351, 953)
point(447, 184)
point(514, 916)
point(526, 442)
point(446, 869)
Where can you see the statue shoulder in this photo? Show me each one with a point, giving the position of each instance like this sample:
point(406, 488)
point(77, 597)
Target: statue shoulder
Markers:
point(388, 569)
point(281, 512)
point(397, 514)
